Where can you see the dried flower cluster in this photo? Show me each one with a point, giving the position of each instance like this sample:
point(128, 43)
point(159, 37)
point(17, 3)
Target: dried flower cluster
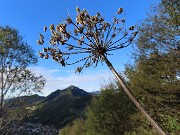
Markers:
point(92, 34)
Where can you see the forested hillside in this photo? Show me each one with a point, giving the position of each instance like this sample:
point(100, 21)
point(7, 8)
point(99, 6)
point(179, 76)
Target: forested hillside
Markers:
point(60, 107)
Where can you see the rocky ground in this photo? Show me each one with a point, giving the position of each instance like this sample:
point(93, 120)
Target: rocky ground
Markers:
point(29, 129)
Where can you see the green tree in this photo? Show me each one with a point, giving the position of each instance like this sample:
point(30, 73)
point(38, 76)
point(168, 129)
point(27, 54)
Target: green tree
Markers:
point(157, 35)
point(78, 128)
point(154, 77)
point(15, 78)
point(110, 112)
point(172, 9)
point(95, 37)
point(158, 94)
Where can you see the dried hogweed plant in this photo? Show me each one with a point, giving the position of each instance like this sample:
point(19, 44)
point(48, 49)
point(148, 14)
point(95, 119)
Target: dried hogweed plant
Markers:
point(93, 36)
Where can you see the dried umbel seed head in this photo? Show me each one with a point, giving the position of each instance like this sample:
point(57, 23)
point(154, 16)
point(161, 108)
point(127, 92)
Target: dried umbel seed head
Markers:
point(46, 56)
point(77, 9)
point(80, 29)
point(70, 47)
point(63, 62)
point(51, 27)
point(67, 35)
point(90, 34)
point(82, 37)
point(40, 41)
point(45, 49)
point(53, 51)
point(131, 28)
point(63, 41)
point(42, 37)
point(78, 70)
point(45, 28)
point(94, 19)
point(41, 54)
point(80, 42)
point(62, 28)
point(120, 10)
point(123, 21)
point(75, 32)
point(113, 35)
point(69, 20)
point(54, 58)
point(98, 14)
point(59, 56)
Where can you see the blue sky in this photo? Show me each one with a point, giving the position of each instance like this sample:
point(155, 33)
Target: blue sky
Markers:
point(30, 16)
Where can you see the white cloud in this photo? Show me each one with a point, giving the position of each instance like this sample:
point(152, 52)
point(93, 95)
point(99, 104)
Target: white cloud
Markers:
point(57, 79)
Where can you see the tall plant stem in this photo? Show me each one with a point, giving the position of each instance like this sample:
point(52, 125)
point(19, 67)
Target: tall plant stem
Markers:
point(1, 94)
point(134, 100)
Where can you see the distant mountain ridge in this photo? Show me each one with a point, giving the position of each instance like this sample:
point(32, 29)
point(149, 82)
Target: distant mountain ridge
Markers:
point(60, 107)
point(95, 92)
point(25, 100)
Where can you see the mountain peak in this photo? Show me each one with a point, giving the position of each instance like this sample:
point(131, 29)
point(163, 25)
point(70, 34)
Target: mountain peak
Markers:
point(75, 91)
point(71, 90)
point(72, 87)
